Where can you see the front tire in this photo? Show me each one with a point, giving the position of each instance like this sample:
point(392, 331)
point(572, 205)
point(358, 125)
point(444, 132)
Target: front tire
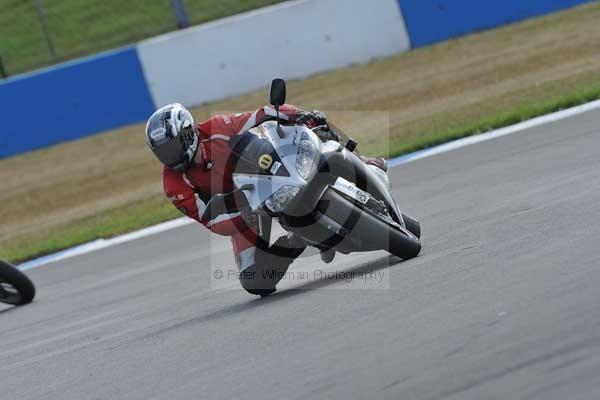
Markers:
point(15, 287)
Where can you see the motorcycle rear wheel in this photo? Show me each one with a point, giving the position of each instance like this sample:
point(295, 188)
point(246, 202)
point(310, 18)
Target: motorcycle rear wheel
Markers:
point(378, 229)
point(15, 287)
point(401, 245)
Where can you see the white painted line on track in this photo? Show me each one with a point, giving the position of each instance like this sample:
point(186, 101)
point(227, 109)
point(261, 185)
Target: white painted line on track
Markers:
point(467, 141)
point(104, 243)
point(407, 158)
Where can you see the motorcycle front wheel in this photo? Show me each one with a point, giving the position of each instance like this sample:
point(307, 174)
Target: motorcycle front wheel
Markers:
point(15, 287)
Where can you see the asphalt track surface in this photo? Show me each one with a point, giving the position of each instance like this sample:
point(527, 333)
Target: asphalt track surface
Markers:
point(503, 302)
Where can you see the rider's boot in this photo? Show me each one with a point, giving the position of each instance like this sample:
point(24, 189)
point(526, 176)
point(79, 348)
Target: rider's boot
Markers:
point(380, 163)
point(327, 255)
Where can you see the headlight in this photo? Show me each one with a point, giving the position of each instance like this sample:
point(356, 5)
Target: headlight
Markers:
point(307, 152)
point(281, 198)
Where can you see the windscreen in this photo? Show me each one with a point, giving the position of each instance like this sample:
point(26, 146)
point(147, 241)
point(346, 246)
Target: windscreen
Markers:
point(255, 155)
point(341, 134)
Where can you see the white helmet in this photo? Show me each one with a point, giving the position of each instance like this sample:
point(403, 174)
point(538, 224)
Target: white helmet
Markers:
point(172, 136)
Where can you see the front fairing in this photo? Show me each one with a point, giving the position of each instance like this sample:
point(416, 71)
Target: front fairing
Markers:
point(267, 162)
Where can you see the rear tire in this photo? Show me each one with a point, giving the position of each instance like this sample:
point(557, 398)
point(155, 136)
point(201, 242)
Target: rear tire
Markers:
point(401, 245)
point(412, 225)
point(17, 289)
point(377, 232)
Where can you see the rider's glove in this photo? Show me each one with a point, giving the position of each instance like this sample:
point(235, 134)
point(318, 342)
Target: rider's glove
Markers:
point(311, 119)
point(317, 121)
point(325, 133)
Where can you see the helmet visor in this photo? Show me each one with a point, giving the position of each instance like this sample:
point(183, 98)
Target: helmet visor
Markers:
point(171, 152)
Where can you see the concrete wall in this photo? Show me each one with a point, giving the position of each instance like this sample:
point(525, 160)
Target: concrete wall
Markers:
point(431, 21)
point(292, 40)
point(72, 100)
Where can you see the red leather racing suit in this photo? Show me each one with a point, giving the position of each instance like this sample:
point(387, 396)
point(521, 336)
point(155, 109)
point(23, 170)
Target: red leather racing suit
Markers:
point(191, 190)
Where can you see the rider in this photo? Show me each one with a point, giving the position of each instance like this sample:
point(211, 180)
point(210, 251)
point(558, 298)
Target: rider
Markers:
point(197, 166)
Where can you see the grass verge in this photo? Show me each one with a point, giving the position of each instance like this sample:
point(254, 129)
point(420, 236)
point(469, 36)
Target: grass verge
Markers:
point(109, 183)
point(499, 120)
point(156, 210)
point(114, 222)
point(78, 28)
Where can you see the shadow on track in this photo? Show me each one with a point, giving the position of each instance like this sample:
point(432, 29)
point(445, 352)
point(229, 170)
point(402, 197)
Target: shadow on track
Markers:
point(257, 303)
point(7, 309)
point(378, 264)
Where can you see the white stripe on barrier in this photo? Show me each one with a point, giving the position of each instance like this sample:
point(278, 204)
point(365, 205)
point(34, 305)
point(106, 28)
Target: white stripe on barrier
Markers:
point(294, 39)
point(405, 159)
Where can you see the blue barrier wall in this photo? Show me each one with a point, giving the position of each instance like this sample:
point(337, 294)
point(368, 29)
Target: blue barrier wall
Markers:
point(431, 21)
point(72, 100)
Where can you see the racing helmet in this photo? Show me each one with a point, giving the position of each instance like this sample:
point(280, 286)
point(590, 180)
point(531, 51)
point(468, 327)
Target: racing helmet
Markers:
point(172, 136)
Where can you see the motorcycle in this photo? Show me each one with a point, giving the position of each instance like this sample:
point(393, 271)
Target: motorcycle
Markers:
point(320, 191)
point(15, 287)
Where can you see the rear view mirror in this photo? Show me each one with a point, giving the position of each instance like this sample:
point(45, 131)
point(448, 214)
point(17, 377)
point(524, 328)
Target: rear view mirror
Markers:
point(277, 92)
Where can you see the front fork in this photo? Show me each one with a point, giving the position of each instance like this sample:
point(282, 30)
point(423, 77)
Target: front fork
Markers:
point(265, 222)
